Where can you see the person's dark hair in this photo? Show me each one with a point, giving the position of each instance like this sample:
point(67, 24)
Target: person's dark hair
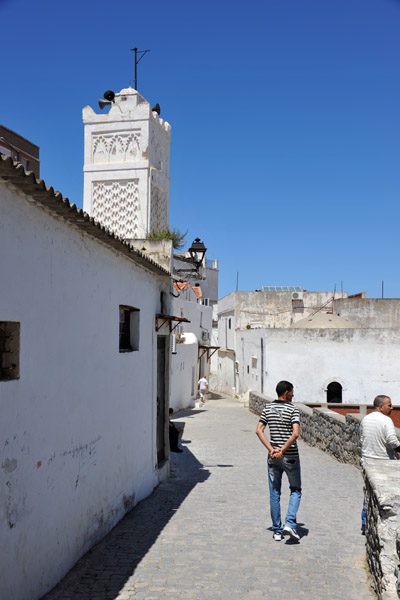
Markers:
point(171, 410)
point(282, 387)
point(379, 400)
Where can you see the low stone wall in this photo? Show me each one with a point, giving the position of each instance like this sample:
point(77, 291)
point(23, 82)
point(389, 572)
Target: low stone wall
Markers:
point(382, 498)
point(339, 435)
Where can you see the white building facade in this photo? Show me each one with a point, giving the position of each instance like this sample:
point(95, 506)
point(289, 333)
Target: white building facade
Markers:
point(363, 362)
point(343, 349)
point(126, 188)
point(87, 321)
point(126, 170)
point(83, 376)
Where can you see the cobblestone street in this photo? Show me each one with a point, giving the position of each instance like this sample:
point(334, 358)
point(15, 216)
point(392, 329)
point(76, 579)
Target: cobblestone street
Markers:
point(204, 533)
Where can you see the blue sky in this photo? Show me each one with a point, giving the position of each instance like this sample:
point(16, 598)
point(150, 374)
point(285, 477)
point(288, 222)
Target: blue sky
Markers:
point(285, 122)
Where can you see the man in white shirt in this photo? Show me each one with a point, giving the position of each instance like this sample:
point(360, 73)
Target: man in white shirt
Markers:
point(202, 386)
point(378, 437)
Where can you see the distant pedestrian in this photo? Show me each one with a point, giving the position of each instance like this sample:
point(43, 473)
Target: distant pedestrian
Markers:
point(202, 386)
point(378, 437)
point(283, 420)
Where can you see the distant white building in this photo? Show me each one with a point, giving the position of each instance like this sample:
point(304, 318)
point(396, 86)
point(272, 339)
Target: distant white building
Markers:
point(342, 349)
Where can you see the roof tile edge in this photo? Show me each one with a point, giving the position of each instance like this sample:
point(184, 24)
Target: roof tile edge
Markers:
point(14, 173)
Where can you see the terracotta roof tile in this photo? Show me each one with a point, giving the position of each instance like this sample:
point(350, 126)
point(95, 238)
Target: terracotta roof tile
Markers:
point(181, 285)
point(197, 291)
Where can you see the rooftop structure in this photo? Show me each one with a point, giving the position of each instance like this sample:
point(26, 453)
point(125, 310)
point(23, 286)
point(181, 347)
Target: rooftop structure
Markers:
point(126, 170)
point(20, 149)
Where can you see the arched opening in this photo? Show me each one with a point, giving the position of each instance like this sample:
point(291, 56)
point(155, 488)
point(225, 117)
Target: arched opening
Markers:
point(334, 392)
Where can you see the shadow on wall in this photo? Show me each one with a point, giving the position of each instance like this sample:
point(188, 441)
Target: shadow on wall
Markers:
point(120, 552)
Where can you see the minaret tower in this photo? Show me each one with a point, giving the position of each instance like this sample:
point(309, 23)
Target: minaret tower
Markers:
point(126, 170)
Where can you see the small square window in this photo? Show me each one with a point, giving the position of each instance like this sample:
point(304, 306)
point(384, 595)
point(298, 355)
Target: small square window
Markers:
point(128, 328)
point(9, 350)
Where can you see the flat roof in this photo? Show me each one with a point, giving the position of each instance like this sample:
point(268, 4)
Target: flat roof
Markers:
point(282, 288)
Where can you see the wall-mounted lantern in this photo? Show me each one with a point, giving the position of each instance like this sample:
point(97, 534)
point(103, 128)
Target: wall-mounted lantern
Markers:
point(197, 252)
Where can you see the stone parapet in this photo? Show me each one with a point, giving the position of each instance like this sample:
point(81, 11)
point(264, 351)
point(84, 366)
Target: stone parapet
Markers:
point(382, 498)
point(339, 435)
point(257, 402)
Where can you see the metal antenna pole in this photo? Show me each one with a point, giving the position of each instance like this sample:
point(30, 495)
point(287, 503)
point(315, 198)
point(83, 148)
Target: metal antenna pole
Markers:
point(142, 53)
point(135, 86)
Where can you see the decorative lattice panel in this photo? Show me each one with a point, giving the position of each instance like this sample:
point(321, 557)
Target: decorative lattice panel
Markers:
point(158, 210)
point(115, 147)
point(116, 205)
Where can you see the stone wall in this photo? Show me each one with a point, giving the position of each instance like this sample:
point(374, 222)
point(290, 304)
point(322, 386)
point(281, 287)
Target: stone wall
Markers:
point(381, 313)
point(382, 498)
point(339, 436)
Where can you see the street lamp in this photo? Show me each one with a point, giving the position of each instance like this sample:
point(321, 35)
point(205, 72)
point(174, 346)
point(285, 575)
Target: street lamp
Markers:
point(197, 252)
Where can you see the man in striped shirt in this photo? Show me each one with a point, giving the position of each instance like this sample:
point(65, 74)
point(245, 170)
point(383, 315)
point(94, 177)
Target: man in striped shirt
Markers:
point(283, 420)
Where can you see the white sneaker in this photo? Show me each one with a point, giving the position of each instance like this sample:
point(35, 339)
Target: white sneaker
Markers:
point(292, 533)
point(277, 536)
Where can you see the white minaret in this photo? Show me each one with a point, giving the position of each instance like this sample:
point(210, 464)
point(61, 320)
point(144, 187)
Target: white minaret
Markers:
point(126, 170)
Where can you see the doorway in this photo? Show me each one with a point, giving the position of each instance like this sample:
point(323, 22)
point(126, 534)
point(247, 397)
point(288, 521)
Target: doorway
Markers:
point(161, 398)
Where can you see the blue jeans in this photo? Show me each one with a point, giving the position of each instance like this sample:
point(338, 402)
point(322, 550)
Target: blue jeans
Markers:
point(276, 467)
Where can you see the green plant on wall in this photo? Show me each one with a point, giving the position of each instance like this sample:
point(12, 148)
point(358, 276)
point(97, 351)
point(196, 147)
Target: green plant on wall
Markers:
point(177, 238)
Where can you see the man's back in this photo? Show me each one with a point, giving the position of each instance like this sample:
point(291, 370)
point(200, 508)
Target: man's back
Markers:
point(378, 436)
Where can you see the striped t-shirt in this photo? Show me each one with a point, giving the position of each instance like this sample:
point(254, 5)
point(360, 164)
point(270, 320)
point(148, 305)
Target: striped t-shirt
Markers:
point(280, 415)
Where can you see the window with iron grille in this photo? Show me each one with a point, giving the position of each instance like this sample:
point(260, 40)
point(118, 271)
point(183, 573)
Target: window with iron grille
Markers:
point(9, 350)
point(128, 328)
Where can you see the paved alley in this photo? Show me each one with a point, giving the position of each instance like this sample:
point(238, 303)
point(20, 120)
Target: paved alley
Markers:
point(204, 534)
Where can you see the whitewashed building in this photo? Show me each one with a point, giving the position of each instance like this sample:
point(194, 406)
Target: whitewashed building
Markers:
point(126, 188)
point(126, 170)
point(83, 376)
point(342, 349)
point(87, 372)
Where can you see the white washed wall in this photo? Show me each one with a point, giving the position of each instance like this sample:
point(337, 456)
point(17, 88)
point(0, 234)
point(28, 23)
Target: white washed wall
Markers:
point(77, 433)
point(364, 361)
point(184, 376)
point(226, 374)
